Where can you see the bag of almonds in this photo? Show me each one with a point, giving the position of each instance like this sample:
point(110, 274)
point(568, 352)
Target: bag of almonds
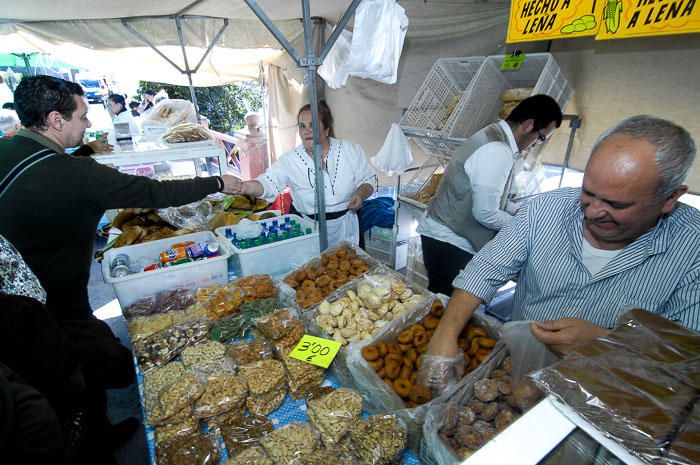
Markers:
point(385, 368)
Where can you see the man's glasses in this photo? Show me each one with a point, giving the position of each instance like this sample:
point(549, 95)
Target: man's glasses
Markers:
point(540, 137)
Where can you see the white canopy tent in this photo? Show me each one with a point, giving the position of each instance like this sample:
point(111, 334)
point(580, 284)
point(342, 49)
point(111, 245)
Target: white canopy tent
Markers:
point(611, 79)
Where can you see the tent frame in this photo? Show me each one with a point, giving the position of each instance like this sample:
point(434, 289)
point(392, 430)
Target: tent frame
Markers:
point(310, 62)
point(178, 24)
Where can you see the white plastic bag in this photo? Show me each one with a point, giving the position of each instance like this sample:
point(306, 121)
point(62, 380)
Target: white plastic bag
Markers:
point(377, 40)
point(395, 155)
point(334, 69)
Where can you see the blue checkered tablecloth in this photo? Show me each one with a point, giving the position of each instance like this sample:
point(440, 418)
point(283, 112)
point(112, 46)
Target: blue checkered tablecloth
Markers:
point(290, 411)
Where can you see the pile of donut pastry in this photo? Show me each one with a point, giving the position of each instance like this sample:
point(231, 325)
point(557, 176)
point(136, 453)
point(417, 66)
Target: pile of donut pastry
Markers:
point(313, 283)
point(397, 362)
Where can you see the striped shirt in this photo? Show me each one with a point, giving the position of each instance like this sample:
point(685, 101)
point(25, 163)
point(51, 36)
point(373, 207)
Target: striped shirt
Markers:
point(660, 271)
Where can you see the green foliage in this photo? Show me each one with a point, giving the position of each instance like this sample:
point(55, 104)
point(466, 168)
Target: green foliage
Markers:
point(225, 106)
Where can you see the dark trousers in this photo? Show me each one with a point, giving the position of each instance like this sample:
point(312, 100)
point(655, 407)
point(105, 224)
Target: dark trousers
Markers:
point(443, 261)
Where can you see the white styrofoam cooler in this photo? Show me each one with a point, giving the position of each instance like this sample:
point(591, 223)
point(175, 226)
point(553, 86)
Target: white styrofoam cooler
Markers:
point(135, 286)
point(276, 259)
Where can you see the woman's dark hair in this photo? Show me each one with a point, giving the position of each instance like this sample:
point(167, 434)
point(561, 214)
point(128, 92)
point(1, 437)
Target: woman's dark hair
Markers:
point(542, 108)
point(134, 104)
point(37, 96)
point(324, 113)
point(149, 92)
point(116, 98)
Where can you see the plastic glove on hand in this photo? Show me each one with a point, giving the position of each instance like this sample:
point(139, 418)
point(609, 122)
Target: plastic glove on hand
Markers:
point(438, 372)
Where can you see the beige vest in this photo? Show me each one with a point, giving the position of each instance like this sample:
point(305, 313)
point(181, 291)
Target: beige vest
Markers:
point(452, 205)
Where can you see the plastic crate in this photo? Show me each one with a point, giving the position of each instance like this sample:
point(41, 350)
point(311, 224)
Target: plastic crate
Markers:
point(447, 78)
point(480, 104)
point(276, 259)
point(140, 284)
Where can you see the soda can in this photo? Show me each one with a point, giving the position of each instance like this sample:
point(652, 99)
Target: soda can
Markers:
point(120, 265)
point(180, 261)
point(153, 266)
point(120, 271)
point(195, 251)
point(173, 254)
point(211, 249)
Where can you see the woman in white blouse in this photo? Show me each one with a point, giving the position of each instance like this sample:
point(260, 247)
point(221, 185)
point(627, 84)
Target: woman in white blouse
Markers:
point(348, 178)
point(121, 113)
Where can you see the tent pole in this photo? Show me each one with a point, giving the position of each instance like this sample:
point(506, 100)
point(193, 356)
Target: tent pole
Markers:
point(310, 78)
point(310, 62)
point(188, 71)
point(180, 37)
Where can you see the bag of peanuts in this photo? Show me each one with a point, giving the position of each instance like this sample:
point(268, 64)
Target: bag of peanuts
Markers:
point(385, 367)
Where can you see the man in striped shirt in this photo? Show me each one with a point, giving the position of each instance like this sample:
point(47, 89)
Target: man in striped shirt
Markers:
point(584, 256)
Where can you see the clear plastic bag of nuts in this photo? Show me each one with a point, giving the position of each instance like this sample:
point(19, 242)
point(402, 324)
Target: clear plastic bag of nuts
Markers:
point(165, 345)
point(290, 441)
point(249, 352)
point(224, 392)
point(196, 449)
point(378, 440)
point(175, 399)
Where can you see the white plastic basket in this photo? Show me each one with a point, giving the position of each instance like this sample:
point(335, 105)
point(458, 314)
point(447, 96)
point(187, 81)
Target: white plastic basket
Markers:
point(447, 78)
point(140, 284)
point(480, 104)
point(276, 259)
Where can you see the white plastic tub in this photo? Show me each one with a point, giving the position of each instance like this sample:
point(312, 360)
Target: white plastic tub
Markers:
point(140, 284)
point(276, 259)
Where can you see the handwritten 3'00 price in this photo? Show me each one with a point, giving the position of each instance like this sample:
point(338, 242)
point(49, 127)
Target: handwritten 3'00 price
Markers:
point(315, 348)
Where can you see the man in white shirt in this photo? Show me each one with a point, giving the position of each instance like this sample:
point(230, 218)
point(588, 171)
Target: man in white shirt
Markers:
point(471, 204)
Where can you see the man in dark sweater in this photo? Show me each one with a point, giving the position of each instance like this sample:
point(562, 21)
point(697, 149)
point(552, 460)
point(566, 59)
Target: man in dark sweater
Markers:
point(51, 203)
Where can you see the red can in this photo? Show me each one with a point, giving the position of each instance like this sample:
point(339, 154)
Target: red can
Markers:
point(153, 266)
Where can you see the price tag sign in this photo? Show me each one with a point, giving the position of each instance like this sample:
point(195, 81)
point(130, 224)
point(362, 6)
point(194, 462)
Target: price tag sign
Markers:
point(512, 62)
point(316, 350)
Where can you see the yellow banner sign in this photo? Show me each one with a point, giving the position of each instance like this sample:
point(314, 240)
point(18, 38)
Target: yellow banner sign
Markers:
point(623, 19)
point(316, 350)
point(553, 19)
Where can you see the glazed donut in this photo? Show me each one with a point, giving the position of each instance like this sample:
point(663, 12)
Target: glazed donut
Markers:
point(308, 284)
point(341, 253)
point(420, 394)
point(407, 362)
point(481, 354)
point(486, 342)
point(382, 348)
point(393, 358)
point(413, 355)
point(370, 353)
point(406, 372)
point(420, 338)
point(403, 387)
point(430, 322)
point(393, 348)
point(463, 343)
point(417, 328)
point(376, 364)
point(381, 372)
point(344, 265)
point(437, 309)
point(430, 333)
point(405, 337)
point(393, 370)
point(413, 377)
point(332, 265)
point(475, 331)
point(405, 347)
point(473, 347)
point(324, 260)
point(422, 348)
